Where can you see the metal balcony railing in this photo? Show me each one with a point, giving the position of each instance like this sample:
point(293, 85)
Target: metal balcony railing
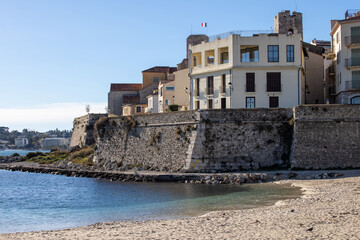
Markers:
point(197, 92)
point(352, 84)
point(332, 90)
point(352, 62)
point(222, 89)
point(331, 70)
point(209, 91)
point(352, 40)
point(273, 88)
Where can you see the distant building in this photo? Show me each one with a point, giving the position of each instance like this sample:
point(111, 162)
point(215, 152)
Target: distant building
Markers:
point(314, 77)
point(321, 43)
point(166, 95)
point(21, 142)
point(344, 75)
point(55, 142)
point(153, 103)
point(133, 109)
point(151, 79)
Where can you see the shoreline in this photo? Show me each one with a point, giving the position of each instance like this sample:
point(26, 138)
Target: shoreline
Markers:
point(328, 209)
point(181, 177)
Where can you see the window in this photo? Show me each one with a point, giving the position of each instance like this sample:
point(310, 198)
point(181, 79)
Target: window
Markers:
point(249, 53)
point(338, 57)
point(197, 105)
point(167, 102)
point(155, 79)
point(355, 100)
point(169, 88)
point(210, 104)
point(210, 57)
point(225, 57)
point(290, 53)
point(197, 89)
point(250, 82)
point(250, 102)
point(337, 37)
point(223, 84)
point(223, 103)
point(273, 82)
point(355, 79)
point(210, 85)
point(196, 59)
point(273, 53)
point(161, 93)
point(138, 109)
point(273, 102)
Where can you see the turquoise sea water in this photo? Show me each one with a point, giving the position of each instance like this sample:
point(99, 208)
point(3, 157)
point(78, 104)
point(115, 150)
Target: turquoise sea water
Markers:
point(9, 152)
point(33, 201)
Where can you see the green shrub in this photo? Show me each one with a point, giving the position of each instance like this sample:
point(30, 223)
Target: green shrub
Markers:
point(173, 108)
point(15, 155)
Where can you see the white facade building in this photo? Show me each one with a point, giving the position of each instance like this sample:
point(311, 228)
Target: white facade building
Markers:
point(152, 106)
point(345, 52)
point(55, 142)
point(262, 71)
point(21, 142)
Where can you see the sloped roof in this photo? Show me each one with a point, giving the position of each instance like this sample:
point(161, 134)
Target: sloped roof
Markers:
point(125, 87)
point(131, 99)
point(164, 69)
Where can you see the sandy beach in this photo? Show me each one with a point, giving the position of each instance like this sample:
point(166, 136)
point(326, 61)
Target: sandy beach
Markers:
point(329, 209)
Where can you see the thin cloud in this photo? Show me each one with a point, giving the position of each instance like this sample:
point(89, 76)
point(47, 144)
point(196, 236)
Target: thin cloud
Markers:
point(46, 117)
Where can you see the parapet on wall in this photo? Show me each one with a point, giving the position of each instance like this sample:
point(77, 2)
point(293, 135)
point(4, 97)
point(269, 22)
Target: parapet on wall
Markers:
point(326, 136)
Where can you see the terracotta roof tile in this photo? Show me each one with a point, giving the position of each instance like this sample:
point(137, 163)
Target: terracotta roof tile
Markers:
point(131, 99)
point(161, 69)
point(125, 87)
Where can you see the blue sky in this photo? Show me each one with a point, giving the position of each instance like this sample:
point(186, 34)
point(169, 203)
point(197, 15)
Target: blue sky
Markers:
point(58, 55)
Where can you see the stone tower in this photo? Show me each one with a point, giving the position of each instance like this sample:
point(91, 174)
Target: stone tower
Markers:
point(287, 23)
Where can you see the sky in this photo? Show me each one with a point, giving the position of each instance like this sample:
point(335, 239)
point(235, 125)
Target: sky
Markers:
point(56, 56)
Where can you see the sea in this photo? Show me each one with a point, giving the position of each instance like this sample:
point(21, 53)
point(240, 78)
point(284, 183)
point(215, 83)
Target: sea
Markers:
point(9, 152)
point(35, 201)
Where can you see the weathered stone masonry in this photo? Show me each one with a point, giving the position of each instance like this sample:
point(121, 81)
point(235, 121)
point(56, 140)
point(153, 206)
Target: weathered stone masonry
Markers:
point(326, 136)
point(307, 137)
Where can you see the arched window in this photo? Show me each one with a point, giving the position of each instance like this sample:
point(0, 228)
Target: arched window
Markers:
point(355, 100)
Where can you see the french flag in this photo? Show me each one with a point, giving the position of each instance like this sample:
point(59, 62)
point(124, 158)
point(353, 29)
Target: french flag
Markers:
point(204, 24)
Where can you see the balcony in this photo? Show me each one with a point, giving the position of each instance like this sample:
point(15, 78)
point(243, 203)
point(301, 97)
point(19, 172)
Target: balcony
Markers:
point(223, 90)
point(352, 84)
point(352, 41)
point(332, 90)
point(331, 70)
point(196, 92)
point(272, 88)
point(209, 92)
point(352, 62)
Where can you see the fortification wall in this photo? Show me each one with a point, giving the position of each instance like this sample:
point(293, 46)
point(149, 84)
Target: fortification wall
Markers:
point(150, 142)
point(241, 139)
point(207, 140)
point(83, 132)
point(306, 137)
point(326, 136)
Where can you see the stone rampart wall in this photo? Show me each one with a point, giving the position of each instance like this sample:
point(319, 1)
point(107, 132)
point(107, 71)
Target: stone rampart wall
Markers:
point(307, 137)
point(326, 136)
point(83, 132)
